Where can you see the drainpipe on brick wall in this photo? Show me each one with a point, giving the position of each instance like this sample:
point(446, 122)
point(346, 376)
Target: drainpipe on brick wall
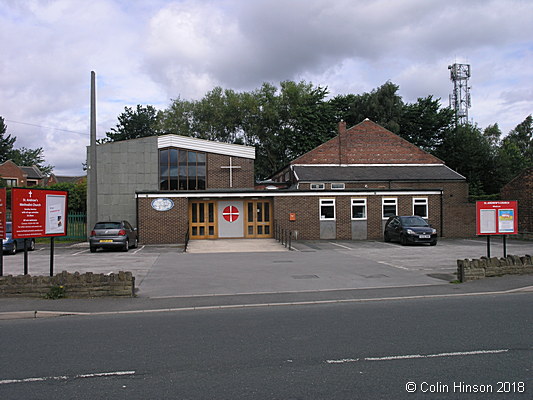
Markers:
point(441, 213)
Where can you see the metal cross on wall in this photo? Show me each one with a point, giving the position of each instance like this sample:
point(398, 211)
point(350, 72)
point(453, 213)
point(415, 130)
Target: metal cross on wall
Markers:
point(231, 167)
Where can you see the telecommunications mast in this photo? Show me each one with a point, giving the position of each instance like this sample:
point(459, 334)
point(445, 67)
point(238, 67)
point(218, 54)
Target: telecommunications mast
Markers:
point(460, 98)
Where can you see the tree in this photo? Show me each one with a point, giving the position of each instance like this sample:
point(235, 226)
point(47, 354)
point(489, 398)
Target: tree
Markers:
point(425, 123)
point(133, 124)
point(6, 142)
point(467, 151)
point(382, 105)
point(77, 195)
point(29, 157)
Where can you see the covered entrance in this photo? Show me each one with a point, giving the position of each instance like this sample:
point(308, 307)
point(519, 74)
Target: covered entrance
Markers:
point(230, 218)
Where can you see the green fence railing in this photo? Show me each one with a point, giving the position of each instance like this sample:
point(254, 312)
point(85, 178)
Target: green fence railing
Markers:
point(76, 227)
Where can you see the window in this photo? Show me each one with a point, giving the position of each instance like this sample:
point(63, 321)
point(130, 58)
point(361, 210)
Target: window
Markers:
point(182, 169)
point(420, 207)
point(358, 208)
point(327, 209)
point(340, 186)
point(389, 207)
point(317, 186)
point(31, 183)
point(11, 182)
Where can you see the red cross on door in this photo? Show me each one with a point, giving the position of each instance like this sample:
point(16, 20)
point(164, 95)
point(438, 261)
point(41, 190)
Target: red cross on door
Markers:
point(230, 213)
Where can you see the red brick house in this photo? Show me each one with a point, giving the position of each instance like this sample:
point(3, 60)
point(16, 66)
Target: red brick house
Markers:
point(521, 189)
point(14, 175)
point(345, 189)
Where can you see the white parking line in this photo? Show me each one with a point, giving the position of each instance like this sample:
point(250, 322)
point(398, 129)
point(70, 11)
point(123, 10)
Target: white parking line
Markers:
point(81, 252)
point(413, 356)
point(340, 245)
point(139, 249)
point(66, 377)
point(394, 266)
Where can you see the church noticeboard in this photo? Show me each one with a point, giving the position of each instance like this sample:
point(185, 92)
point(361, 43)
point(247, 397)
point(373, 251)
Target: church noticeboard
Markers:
point(497, 217)
point(2, 213)
point(38, 213)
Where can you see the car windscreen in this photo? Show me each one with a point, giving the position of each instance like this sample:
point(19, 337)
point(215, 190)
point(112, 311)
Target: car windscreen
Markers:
point(8, 228)
point(413, 221)
point(107, 225)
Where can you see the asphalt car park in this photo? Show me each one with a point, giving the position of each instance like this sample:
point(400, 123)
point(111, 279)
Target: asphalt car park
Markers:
point(312, 266)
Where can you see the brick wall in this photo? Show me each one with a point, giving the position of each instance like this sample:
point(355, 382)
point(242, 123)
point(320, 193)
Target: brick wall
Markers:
point(458, 217)
point(74, 285)
point(163, 227)
point(9, 170)
point(521, 189)
point(218, 177)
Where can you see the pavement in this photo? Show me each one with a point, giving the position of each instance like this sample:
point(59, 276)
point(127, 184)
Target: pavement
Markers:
point(263, 273)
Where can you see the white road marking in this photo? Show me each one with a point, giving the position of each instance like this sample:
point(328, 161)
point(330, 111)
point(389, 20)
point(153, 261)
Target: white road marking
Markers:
point(66, 377)
point(80, 252)
point(139, 249)
point(340, 245)
point(394, 266)
point(415, 356)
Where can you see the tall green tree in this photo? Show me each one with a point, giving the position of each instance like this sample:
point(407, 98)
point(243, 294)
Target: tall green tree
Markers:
point(6, 142)
point(29, 157)
point(466, 150)
point(425, 123)
point(133, 124)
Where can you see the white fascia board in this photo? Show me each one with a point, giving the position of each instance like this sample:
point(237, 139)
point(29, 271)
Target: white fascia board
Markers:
point(367, 165)
point(208, 146)
point(291, 194)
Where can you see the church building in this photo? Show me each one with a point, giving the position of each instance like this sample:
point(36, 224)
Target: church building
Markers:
point(172, 187)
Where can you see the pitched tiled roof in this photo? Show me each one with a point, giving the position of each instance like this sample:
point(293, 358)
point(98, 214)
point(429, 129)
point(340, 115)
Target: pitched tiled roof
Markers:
point(367, 143)
point(374, 173)
point(33, 172)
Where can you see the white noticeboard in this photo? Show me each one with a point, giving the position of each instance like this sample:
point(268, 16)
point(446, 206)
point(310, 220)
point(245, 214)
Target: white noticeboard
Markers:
point(55, 214)
point(487, 221)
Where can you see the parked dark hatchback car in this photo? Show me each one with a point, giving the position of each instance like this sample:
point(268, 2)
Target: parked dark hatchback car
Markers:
point(113, 235)
point(410, 229)
point(11, 246)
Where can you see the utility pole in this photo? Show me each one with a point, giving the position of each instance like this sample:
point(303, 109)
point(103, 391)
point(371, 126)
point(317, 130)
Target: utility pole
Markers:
point(92, 179)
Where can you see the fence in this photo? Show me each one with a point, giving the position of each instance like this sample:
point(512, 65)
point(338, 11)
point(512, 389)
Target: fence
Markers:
point(76, 227)
point(284, 236)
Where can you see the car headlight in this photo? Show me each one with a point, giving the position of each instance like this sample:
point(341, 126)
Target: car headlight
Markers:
point(433, 231)
point(410, 232)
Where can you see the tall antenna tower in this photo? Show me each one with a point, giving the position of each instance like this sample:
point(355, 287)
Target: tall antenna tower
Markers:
point(460, 98)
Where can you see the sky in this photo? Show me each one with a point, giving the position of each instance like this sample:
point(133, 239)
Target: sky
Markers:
point(152, 51)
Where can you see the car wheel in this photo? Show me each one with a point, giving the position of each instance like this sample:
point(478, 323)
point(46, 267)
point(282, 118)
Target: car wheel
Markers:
point(14, 249)
point(32, 245)
point(403, 240)
point(433, 243)
point(93, 249)
point(386, 237)
point(135, 244)
point(126, 245)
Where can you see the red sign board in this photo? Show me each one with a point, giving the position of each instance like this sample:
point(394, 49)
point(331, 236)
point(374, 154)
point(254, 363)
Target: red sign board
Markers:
point(3, 213)
point(38, 213)
point(497, 217)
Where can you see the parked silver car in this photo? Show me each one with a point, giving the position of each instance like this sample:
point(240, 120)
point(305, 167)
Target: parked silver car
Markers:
point(11, 246)
point(113, 235)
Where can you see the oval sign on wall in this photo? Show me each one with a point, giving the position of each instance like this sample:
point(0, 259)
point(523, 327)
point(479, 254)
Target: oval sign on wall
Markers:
point(162, 204)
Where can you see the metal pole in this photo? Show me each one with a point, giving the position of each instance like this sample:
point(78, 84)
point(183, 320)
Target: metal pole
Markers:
point(2, 262)
point(488, 246)
point(504, 246)
point(52, 256)
point(25, 256)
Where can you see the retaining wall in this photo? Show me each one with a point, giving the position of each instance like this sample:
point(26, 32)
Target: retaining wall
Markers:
point(75, 285)
point(468, 270)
